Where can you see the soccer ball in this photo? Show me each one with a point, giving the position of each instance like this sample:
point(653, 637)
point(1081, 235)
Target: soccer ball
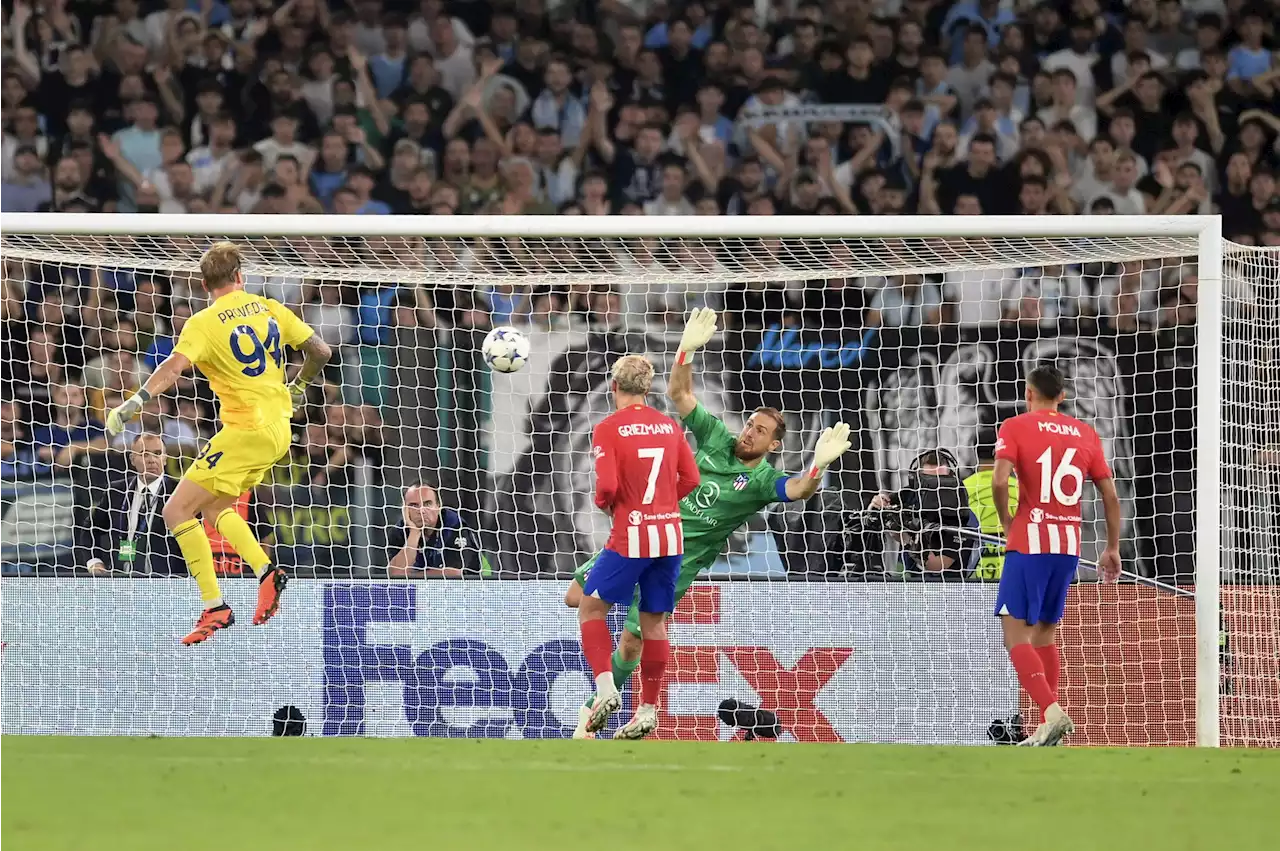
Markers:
point(505, 349)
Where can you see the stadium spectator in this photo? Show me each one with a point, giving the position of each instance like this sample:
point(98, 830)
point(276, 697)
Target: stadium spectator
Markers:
point(17, 455)
point(433, 542)
point(26, 184)
point(70, 433)
point(125, 533)
point(1084, 107)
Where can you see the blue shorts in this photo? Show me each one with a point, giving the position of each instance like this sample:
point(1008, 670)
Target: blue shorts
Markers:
point(1034, 588)
point(613, 578)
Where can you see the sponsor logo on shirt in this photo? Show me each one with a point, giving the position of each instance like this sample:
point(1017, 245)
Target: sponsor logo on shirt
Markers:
point(740, 482)
point(707, 494)
point(597, 452)
point(634, 518)
point(1037, 515)
point(666, 515)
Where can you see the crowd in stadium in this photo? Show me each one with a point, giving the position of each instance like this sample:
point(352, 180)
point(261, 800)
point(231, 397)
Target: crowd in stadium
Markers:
point(630, 107)
point(637, 107)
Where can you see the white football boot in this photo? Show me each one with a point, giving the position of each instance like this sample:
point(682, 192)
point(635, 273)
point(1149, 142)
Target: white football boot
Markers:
point(584, 717)
point(644, 723)
point(603, 705)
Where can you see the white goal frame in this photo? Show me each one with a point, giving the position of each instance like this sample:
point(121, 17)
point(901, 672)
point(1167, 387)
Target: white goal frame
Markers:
point(1206, 230)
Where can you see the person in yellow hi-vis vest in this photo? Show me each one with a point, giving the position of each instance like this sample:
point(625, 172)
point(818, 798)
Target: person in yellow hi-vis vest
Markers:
point(991, 561)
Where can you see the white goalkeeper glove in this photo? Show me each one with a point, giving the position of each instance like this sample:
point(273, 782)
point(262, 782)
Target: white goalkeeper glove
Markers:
point(297, 395)
point(119, 417)
point(832, 443)
point(698, 331)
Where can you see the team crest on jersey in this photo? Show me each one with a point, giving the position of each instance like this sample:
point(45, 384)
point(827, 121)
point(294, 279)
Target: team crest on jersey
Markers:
point(740, 482)
point(1037, 515)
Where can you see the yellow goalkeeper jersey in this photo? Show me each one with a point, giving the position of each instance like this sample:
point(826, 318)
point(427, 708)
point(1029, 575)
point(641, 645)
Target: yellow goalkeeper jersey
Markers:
point(238, 343)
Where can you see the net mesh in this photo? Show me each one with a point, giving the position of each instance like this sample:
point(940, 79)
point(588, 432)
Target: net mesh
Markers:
point(1250, 490)
point(917, 343)
point(565, 260)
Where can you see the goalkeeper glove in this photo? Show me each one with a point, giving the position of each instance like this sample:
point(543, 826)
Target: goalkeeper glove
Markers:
point(297, 395)
point(698, 331)
point(119, 417)
point(832, 443)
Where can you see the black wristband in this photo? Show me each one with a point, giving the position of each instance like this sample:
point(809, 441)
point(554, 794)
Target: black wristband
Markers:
point(144, 395)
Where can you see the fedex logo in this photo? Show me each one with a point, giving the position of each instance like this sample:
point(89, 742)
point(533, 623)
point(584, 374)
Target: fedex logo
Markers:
point(468, 677)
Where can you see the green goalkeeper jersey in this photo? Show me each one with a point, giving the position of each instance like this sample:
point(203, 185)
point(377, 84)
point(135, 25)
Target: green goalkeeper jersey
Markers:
point(729, 493)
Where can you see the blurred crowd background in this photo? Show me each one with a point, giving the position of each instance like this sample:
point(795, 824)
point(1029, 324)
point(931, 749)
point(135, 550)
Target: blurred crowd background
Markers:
point(618, 107)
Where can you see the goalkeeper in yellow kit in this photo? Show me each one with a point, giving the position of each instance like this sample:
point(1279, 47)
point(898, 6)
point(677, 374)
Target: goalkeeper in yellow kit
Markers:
point(238, 342)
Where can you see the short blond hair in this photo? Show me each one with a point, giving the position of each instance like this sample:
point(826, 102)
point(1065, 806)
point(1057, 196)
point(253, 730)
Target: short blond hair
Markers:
point(634, 374)
point(220, 265)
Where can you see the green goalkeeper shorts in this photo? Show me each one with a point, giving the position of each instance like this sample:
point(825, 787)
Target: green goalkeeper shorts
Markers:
point(689, 570)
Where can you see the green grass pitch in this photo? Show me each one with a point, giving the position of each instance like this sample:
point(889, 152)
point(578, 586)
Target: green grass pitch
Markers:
point(101, 794)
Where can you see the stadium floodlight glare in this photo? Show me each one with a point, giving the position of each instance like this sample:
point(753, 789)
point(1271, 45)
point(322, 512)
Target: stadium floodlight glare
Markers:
point(1144, 313)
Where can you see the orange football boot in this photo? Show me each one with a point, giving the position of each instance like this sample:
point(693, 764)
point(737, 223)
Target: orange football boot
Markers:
point(270, 587)
point(211, 620)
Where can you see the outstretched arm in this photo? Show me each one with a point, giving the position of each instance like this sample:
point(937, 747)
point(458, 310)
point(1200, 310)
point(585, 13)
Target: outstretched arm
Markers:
point(698, 331)
point(165, 376)
point(832, 443)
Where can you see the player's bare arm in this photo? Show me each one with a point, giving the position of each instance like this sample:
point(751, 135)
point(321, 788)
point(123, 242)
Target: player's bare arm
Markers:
point(165, 376)
point(1000, 476)
point(315, 354)
point(698, 331)
point(1109, 558)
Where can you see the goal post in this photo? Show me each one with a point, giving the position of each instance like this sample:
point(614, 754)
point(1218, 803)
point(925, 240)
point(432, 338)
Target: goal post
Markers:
point(955, 311)
point(1209, 481)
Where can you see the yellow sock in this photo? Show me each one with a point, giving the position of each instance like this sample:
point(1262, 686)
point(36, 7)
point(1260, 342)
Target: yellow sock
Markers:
point(194, 544)
point(237, 532)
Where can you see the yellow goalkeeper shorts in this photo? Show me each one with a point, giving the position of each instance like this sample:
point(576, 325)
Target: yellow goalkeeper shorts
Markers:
point(237, 459)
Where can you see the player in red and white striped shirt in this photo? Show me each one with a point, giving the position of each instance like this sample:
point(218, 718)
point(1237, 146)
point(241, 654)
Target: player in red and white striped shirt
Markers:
point(1051, 454)
point(644, 467)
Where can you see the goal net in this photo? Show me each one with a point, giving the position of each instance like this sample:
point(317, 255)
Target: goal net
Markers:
point(814, 611)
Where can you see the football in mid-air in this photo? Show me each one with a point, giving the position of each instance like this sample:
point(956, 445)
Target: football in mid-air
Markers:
point(505, 349)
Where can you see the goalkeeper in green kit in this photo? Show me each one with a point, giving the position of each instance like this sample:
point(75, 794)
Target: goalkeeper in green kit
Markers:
point(737, 481)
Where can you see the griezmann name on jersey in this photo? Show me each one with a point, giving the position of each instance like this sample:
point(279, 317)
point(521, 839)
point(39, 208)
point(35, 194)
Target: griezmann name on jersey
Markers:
point(644, 467)
point(1051, 454)
point(238, 342)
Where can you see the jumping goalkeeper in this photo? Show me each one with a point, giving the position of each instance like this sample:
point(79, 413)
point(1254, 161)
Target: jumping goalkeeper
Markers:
point(737, 481)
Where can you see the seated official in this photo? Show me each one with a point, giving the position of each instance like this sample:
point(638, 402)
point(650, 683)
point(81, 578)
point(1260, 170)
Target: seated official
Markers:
point(434, 541)
point(127, 534)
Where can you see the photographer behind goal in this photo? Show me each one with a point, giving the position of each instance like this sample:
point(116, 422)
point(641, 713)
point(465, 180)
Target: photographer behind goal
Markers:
point(926, 518)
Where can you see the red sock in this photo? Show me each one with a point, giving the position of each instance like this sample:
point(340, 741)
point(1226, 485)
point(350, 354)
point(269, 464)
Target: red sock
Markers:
point(653, 665)
point(1026, 661)
point(597, 646)
point(1052, 663)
